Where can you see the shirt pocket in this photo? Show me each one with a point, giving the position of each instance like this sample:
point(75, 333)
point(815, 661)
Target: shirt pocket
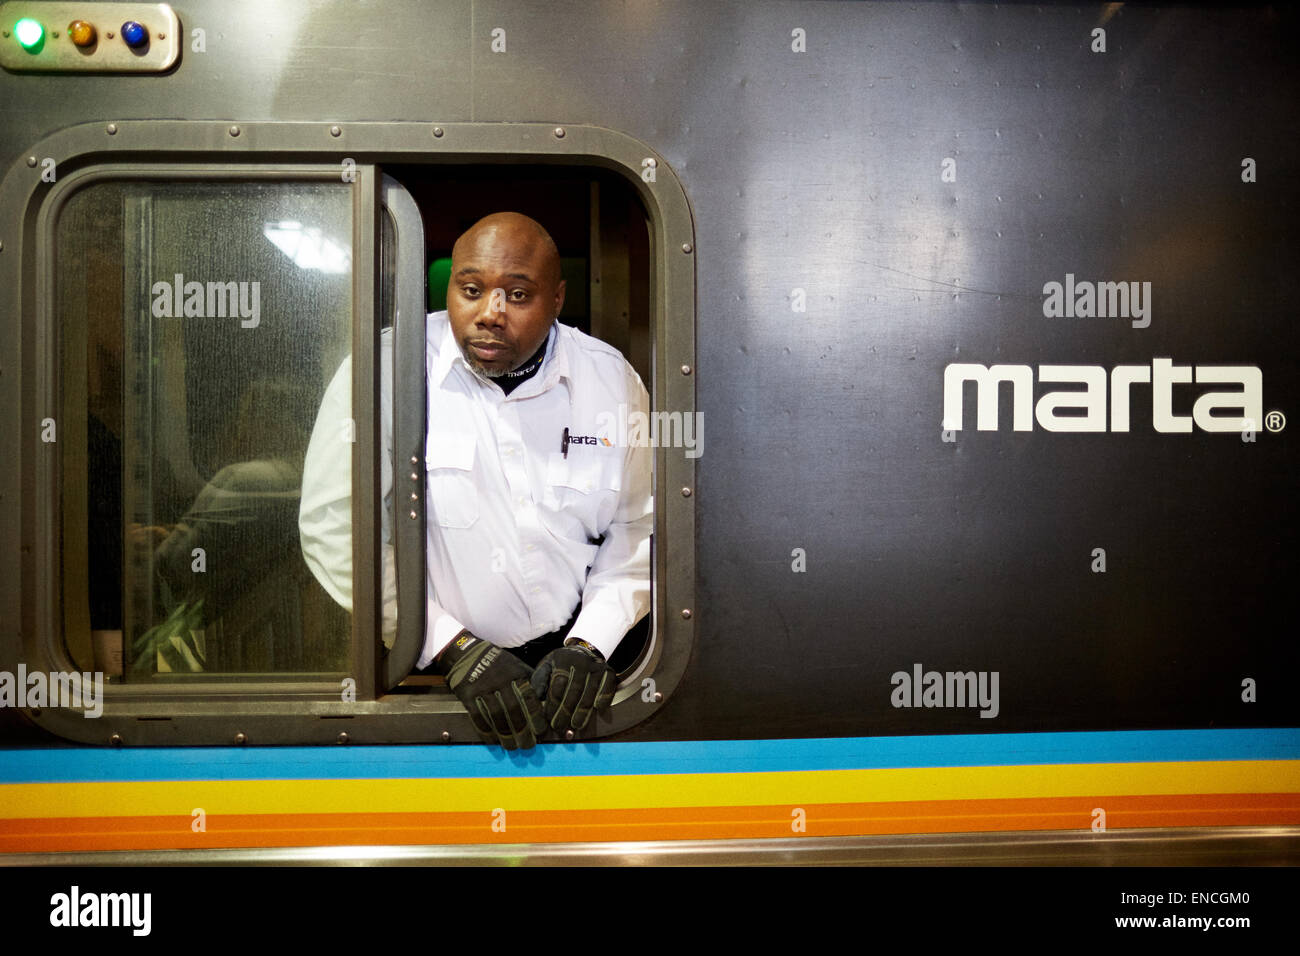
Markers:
point(585, 486)
point(453, 495)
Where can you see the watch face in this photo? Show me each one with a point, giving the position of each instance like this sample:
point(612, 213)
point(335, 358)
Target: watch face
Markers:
point(589, 648)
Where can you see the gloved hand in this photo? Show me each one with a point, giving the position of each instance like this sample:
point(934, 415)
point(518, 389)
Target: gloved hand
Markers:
point(574, 682)
point(493, 685)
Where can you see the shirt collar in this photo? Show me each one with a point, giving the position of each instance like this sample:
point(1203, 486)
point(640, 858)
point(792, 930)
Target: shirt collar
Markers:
point(448, 353)
point(556, 364)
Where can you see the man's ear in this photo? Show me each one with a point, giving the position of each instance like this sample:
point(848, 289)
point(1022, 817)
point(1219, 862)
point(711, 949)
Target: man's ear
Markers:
point(559, 298)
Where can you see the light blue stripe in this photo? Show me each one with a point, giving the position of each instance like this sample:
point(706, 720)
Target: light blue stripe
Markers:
point(72, 764)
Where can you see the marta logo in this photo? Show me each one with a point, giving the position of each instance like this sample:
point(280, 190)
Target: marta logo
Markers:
point(1085, 409)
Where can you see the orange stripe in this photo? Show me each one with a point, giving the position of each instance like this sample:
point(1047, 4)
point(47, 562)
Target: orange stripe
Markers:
point(51, 834)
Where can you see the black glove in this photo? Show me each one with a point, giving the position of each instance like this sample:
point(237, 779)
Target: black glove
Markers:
point(574, 682)
point(493, 685)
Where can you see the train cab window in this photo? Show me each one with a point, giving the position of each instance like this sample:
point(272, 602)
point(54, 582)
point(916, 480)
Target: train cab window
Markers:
point(217, 337)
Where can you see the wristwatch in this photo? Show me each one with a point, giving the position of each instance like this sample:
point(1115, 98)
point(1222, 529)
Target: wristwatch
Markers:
point(589, 648)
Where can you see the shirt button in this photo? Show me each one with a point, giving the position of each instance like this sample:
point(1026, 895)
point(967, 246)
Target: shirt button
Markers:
point(532, 547)
point(535, 590)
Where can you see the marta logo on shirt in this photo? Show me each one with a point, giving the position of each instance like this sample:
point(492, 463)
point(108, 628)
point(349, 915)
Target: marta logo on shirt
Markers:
point(569, 439)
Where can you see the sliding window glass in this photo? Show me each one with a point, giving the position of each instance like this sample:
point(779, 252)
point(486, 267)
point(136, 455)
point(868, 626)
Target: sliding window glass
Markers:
point(199, 324)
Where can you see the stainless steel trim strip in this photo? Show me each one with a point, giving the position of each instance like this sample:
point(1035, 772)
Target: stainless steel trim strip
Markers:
point(1190, 846)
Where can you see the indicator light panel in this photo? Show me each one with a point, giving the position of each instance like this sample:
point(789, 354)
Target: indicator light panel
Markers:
point(54, 36)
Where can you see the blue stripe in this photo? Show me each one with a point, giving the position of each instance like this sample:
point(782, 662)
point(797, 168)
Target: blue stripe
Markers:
point(73, 764)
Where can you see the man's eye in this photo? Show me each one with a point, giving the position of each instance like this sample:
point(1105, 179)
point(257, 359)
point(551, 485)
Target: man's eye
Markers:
point(518, 295)
point(469, 290)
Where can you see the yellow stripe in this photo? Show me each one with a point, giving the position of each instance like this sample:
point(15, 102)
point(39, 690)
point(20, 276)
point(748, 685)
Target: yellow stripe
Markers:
point(36, 800)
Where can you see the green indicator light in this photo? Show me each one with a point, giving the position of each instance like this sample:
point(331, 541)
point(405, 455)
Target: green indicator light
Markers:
point(29, 32)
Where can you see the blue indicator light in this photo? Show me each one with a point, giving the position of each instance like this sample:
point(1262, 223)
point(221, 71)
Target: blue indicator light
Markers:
point(134, 34)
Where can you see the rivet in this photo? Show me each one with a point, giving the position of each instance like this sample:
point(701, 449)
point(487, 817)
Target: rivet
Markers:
point(115, 740)
point(2, 247)
point(109, 34)
point(437, 131)
point(55, 34)
point(241, 739)
point(234, 131)
point(335, 131)
point(559, 132)
point(686, 370)
point(112, 129)
point(415, 476)
point(686, 247)
point(161, 35)
point(446, 736)
point(659, 697)
point(414, 460)
point(414, 515)
point(415, 496)
point(31, 160)
point(343, 737)
point(686, 614)
point(568, 735)
point(686, 492)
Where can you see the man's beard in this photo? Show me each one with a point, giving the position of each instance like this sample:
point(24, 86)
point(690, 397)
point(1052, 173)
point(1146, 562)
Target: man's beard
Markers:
point(474, 363)
point(482, 369)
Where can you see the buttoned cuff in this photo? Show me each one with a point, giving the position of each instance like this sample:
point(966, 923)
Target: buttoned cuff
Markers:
point(602, 626)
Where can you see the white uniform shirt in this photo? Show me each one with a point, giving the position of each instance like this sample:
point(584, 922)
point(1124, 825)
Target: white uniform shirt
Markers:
point(518, 532)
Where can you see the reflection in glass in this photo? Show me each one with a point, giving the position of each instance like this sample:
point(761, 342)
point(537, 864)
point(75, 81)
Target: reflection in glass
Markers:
point(308, 247)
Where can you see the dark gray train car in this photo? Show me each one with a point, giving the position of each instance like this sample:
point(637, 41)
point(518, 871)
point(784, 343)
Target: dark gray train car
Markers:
point(969, 339)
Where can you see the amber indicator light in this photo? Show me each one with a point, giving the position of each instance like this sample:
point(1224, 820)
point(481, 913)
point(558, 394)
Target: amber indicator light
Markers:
point(82, 33)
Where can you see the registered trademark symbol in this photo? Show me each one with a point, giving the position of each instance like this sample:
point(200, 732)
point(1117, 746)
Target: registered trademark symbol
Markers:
point(1275, 421)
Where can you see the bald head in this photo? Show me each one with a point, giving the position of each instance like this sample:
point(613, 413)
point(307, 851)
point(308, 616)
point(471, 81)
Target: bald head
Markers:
point(526, 236)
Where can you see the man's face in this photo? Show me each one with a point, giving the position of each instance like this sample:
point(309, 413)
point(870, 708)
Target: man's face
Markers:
point(503, 296)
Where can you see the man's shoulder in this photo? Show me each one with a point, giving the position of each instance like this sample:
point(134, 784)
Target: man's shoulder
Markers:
point(590, 348)
point(597, 366)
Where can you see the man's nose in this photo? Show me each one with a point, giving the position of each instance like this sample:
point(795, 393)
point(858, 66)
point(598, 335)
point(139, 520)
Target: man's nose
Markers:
point(494, 309)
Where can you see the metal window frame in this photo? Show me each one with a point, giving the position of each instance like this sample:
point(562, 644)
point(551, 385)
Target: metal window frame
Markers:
point(410, 424)
point(296, 712)
point(44, 646)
